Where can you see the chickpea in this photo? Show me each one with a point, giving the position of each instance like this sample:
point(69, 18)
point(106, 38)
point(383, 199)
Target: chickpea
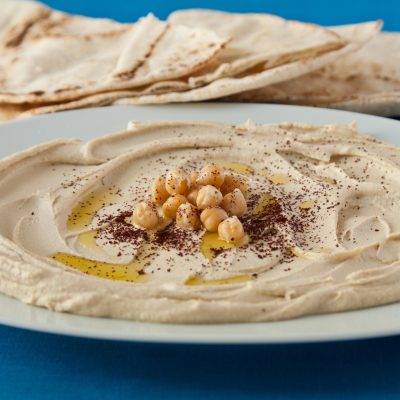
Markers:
point(208, 196)
point(192, 195)
point(187, 216)
point(145, 215)
point(193, 178)
point(159, 193)
point(170, 207)
point(231, 230)
point(211, 174)
point(177, 182)
point(211, 217)
point(234, 203)
point(233, 182)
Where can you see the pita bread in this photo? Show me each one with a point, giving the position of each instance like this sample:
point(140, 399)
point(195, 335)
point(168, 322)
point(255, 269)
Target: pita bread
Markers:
point(274, 50)
point(359, 34)
point(170, 52)
point(95, 100)
point(12, 111)
point(49, 56)
point(270, 41)
point(355, 35)
point(365, 81)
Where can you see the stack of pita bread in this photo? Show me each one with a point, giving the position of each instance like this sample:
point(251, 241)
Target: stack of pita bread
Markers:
point(51, 61)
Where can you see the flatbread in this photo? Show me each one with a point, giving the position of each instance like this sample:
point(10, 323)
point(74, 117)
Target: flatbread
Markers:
point(130, 56)
point(49, 56)
point(256, 40)
point(12, 111)
point(358, 34)
point(274, 50)
point(355, 35)
point(365, 81)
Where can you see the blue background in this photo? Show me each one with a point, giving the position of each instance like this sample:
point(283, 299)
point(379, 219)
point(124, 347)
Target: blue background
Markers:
point(41, 366)
point(326, 12)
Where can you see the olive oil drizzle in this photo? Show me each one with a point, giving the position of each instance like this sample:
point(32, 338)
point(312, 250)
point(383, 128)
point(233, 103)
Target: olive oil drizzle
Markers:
point(131, 272)
point(236, 167)
point(83, 213)
point(196, 281)
point(211, 245)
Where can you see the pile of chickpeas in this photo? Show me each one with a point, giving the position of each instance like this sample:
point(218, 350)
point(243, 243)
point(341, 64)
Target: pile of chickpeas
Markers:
point(211, 198)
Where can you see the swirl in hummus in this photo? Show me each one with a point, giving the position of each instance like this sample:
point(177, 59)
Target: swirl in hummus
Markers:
point(322, 219)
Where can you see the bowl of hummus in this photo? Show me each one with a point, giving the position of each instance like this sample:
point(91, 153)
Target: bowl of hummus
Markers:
point(203, 222)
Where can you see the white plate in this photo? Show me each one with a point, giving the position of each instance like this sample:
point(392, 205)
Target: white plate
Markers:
point(87, 124)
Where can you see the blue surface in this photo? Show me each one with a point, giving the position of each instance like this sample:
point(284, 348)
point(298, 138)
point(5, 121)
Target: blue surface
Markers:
point(328, 12)
point(41, 366)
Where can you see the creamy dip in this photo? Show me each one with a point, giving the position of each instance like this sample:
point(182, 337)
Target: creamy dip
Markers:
point(322, 219)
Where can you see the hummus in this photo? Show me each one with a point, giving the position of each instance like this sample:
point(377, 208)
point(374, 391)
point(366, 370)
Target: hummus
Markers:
point(323, 224)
